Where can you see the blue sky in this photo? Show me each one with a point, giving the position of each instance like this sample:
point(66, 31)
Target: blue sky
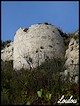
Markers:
point(16, 14)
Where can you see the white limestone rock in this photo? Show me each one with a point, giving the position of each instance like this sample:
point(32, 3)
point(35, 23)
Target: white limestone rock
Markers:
point(72, 59)
point(7, 53)
point(33, 45)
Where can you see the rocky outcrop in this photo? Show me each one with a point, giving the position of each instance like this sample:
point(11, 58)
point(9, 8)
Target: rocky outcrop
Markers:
point(72, 59)
point(7, 52)
point(34, 44)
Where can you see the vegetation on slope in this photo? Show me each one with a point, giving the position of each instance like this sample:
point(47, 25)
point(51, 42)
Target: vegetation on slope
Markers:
point(40, 86)
point(68, 38)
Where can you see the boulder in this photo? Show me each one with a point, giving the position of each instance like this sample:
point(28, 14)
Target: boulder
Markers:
point(35, 44)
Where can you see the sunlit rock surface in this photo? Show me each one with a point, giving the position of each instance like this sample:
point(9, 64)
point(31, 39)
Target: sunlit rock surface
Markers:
point(33, 45)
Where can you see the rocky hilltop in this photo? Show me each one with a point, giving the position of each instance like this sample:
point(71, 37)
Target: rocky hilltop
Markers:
point(33, 45)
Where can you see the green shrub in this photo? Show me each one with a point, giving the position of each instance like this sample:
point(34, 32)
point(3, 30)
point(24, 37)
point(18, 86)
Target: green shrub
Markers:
point(4, 97)
point(46, 23)
point(18, 88)
point(5, 43)
point(25, 30)
point(73, 36)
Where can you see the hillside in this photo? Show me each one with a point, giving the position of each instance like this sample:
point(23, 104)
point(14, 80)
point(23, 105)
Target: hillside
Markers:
point(39, 66)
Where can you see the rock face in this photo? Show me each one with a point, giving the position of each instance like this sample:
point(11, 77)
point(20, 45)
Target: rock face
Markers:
point(7, 53)
point(72, 60)
point(34, 44)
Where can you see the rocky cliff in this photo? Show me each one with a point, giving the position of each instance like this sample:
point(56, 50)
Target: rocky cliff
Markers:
point(33, 45)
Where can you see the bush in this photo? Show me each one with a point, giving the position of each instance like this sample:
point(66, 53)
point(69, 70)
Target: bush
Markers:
point(21, 88)
point(66, 42)
point(5, 43)
point(25, 30)
point(46, 23)
point(73, 36)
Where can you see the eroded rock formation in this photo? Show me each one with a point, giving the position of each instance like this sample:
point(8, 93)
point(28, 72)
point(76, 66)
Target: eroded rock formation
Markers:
point(72, 59)
point(33, 45)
